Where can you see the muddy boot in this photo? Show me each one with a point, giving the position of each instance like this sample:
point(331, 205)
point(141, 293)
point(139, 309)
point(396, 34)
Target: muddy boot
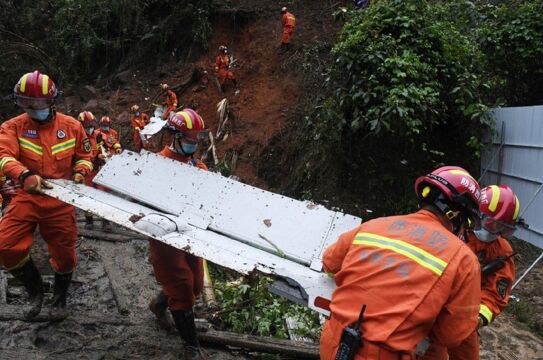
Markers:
point(58, 307)
point(29, 275)
point(89, 222)
point(158, 306)
point(184, 322)
point(106, 225)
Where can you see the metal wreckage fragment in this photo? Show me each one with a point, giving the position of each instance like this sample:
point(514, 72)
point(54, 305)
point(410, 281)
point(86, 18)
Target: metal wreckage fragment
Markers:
point(220, 219)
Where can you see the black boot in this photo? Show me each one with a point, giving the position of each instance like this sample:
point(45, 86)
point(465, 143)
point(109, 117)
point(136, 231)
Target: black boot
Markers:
point(58, 307)
point(89, 222)
point(184, 322)
point(29, 275)
point(158, 306)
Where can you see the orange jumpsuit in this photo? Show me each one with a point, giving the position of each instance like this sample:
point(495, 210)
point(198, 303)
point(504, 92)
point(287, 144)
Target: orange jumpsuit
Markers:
point(181, 274)
point(111, 139)
point(54, 150)
point(171, 104)
point(221, 65)
point(289, 22)
point(97, 163)
point(138, 123)
point(2, 183)
point(416, 278)
point(495, 291)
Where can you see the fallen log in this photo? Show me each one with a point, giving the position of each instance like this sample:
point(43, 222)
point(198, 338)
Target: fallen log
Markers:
point(114, 275)
point(299, 350)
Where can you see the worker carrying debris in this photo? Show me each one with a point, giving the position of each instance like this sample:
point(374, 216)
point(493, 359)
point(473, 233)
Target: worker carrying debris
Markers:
point(223, 67)
point(289, 22)
point(171, 101)
point(181, 274)
point(41, 143)
point(500, 216)
point(99, 154)
point(110, 136)
point(139, 120)
point(412, 274)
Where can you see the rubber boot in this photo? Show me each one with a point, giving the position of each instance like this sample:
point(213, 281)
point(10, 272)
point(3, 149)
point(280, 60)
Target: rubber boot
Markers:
point(158, 306)
point(184, 322)
point(29, 275)
point(58, 307)
point(89, 222)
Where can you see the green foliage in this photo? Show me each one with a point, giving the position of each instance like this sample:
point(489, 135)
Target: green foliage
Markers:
point(259, 312)
point(512, 38)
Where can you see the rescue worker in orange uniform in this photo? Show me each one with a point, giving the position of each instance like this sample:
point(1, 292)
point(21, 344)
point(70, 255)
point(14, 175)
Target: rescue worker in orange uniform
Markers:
point(222, 68)
point(500, 215)
point(110, 136)
point(413, 273)
point(40, 144)
point(171, 101)
point(289, 22)
point(181, 274)
point(88, 120)
point(139, 120)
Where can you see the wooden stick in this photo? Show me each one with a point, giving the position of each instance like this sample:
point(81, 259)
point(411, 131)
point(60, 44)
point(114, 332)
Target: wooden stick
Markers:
point(3, 287)
point(213, 148)
point(299, 350)
point(208, 293)
point(112, 271)
point(112, 237)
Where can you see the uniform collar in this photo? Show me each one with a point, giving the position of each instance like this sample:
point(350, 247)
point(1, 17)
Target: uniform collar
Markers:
point(434, 217)
point(173, 155)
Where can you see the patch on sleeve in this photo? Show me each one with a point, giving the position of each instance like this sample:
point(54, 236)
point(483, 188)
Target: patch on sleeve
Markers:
point(502, 286)
point(87, 145)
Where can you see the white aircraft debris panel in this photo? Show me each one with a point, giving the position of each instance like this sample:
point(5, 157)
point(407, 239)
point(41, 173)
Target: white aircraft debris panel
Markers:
point(292, 229)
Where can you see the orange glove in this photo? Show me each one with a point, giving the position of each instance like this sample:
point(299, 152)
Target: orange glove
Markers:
point(78, 178)
point(33, 183)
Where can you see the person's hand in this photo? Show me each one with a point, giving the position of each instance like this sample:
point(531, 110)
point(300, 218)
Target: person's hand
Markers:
point(102, 157)
point(78, 178)
point(34, 184)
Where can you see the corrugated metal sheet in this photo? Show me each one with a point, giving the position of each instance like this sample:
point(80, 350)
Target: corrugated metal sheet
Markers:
point(515, 158)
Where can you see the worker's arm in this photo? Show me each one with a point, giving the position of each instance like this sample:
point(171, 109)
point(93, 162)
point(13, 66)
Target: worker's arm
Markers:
point(459, 316)
point(496, 290)
point(333, 256)
point(135, 125)
point(9, 151)
point(83, 153)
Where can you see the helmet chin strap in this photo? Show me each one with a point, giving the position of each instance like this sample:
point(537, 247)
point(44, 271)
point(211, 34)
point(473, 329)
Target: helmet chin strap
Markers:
point(455, 218)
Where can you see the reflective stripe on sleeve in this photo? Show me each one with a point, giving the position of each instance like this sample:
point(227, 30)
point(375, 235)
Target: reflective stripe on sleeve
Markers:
point(85, 163)
point(418, 255)
point(485, 312)
point(4, 161)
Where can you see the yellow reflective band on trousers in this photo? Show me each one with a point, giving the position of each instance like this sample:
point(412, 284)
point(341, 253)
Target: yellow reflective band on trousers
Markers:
point(416, 254)
point(85, 163)
point(63, 146)
point(486, 313)
point(4, 161)
point(25, 144)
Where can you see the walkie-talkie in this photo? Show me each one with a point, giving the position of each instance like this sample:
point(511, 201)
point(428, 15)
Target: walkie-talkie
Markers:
point(351, 339)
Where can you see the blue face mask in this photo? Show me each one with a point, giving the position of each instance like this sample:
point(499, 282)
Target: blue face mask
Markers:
point(485, 236)
point(106, 128)
point(38, 115)
point(137, 113)
point(89, 130)
point(189, 149)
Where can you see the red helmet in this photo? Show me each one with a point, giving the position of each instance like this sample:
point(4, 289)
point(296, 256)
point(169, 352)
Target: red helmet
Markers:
point(500, 209)
point(86, 118)
point(458, 187)
point(35, 90)
point(105, 121)
point(188, 123)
